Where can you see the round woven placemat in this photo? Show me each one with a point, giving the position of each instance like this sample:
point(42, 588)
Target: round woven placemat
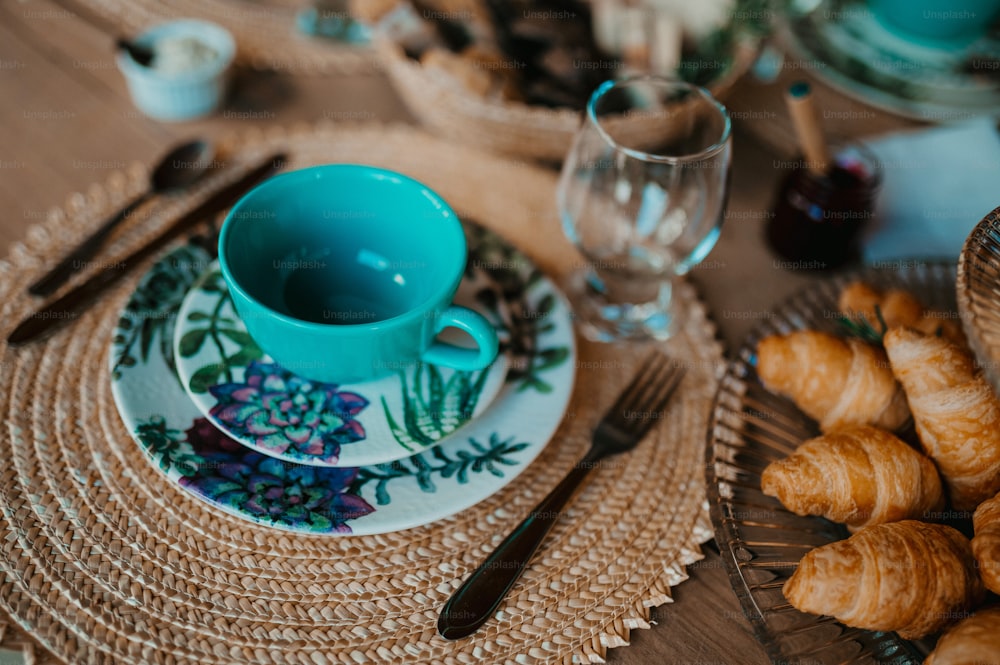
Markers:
point(105, 561)
point(265, 32)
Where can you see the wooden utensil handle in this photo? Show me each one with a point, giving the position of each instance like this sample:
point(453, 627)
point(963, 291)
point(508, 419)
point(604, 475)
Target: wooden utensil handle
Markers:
point(74, 261)
point(808, 129)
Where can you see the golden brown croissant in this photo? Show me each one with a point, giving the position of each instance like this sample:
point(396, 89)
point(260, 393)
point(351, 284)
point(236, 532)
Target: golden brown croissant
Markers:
point(972, 641)
point(957, 415)
point(859, 475)
point(898, 308)
point(986, 544)
point(837, 382)
point(910, 577)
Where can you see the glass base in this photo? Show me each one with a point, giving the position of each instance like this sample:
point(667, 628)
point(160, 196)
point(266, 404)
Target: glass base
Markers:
point(602, 318)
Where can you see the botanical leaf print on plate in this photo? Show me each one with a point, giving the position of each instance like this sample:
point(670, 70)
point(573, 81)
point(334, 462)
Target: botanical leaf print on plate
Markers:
point(226, 473)
point(153, 309)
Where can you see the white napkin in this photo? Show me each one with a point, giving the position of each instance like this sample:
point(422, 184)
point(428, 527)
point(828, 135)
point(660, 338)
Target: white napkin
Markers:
point(936, 186)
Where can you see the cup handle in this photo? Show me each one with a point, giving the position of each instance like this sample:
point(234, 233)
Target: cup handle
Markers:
point(466, 360)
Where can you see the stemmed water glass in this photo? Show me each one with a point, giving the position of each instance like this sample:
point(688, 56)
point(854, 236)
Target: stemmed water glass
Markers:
point(642, 195)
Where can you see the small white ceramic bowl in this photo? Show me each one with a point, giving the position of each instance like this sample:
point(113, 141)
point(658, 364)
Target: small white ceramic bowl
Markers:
point(181, 95)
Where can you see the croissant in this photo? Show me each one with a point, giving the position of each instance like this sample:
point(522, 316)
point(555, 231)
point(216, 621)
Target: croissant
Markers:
point(898, 308)
point(972, 641)
point(986, 544)
point(837, 382)
point(909, 576)
point(859, 475)
point(957, 415)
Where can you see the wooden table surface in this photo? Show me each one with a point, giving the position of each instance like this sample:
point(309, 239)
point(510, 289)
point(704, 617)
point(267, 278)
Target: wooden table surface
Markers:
point(66, 121)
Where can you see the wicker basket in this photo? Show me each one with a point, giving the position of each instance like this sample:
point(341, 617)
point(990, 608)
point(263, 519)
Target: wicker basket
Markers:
point(978, 301)
point(513, 128)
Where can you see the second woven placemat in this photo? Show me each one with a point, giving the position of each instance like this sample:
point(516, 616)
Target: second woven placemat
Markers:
point(105, 561)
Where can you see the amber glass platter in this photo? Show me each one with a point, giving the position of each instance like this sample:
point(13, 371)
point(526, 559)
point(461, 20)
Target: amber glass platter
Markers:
point(761, 542)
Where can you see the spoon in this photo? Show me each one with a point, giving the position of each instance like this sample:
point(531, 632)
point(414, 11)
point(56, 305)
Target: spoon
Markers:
point(179, 168)
point(143, 55)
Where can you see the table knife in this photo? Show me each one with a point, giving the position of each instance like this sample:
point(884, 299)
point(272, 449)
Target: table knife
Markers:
point(71, 305)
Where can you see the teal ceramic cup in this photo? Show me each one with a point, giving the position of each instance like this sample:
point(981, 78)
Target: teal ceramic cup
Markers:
point(345, 273)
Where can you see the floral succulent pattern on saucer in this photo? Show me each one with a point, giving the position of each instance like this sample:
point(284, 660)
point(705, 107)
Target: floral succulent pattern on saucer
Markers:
point(433, 482)
point(278, 410)
point(279, 413)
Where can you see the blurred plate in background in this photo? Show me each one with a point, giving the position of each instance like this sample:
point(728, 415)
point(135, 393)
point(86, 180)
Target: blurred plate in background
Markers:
point(854, 52)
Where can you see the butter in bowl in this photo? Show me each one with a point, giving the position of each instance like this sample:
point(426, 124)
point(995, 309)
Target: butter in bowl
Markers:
point(188, 74)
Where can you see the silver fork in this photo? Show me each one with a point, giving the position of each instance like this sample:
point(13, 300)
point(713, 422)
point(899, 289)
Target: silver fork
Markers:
point(638, 408)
